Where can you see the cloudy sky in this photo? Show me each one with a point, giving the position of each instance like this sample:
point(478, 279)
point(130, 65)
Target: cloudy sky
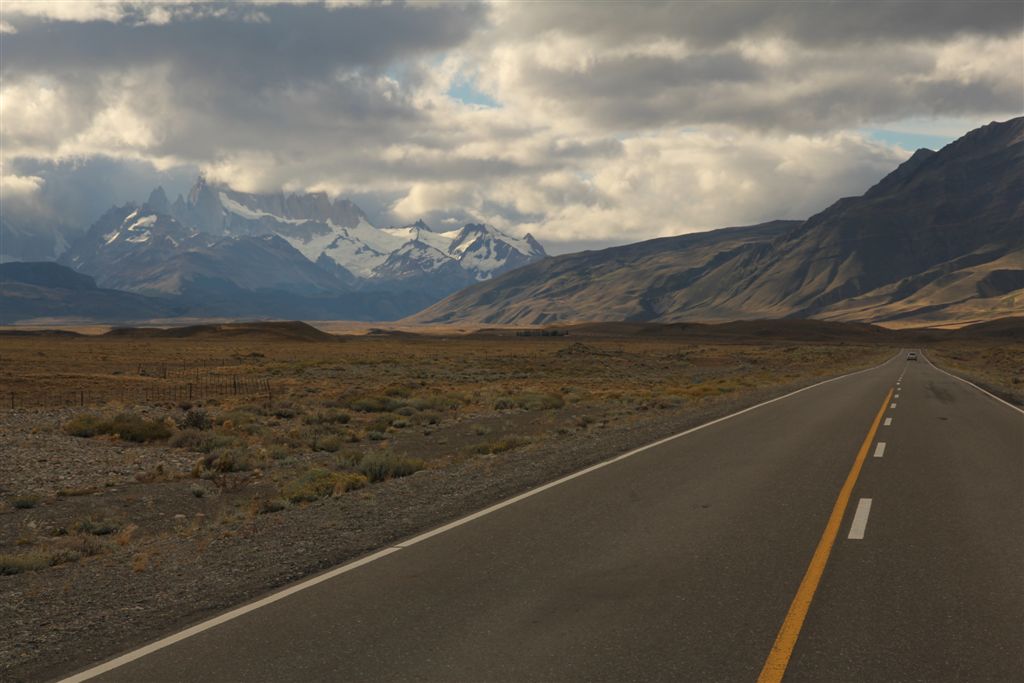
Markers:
point(584, 123)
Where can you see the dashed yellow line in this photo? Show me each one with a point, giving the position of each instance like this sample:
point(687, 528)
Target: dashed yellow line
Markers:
point(778, 659)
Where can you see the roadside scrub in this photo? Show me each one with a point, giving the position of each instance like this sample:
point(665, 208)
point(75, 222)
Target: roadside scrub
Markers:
point(124, 426)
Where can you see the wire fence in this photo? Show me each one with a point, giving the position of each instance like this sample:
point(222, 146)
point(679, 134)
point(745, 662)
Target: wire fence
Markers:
point(205, 386)
point(189, 370)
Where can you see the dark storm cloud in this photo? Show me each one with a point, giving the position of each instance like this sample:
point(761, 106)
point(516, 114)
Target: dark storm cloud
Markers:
point(812, 23)
point(77, 192)
point(294, 44)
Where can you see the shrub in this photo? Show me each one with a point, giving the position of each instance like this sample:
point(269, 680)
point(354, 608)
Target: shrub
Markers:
point(138, 429)
point(278, 452)
point(195, 419)
point(231, 460)
point(95, 527)
point(376, 404)
point(86, 426)
point(332, 443)
point(314, 483)
point(428, 418)
point(380, 424)
point(197, 490)
point(227, 460)
point(532, 401)
point(74, 491)
point(327, 417)
point(125, 426)
point(348, 481)
point(16, 564)
point(25, 502)
point(264, 507)
point(381, 466)
point(283, 411)
point(202, 442)
point(501, 445)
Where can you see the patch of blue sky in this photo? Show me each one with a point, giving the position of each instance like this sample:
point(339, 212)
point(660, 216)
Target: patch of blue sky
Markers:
point(465, 90)
point(909, 141)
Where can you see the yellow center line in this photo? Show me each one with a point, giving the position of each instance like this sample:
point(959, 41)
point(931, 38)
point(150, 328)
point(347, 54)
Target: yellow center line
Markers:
point(778, 659)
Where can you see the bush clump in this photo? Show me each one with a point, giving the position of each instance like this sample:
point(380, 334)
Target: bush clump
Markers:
point(95, 527)
point(16, 564)
point(201, 442)
point(313, 484)
point(501, 445)
point(327, 417)
point(376, 404)
point(125, 426)
point(265, 507)
point(381, 466)
point(530, 401)
point(25, 502)
point(195, 419)
point(227, 460)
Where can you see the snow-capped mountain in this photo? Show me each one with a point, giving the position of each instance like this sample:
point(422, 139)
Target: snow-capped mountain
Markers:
point(139, 250)
point(341, 233)
point(230, 245)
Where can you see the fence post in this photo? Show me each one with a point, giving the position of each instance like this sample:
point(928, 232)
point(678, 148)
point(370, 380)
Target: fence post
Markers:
point(12, 400)
point(190, 391)
point(81, 398)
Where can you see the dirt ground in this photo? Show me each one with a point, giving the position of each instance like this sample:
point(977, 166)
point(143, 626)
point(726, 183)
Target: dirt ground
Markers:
point(122, 519)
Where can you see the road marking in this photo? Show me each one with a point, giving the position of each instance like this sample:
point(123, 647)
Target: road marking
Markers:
point(896, 396)
point(892, 405)
point(227, 616)
point(782, 649)
point(860, 519)
point(888, 421)
point(309, 583)
point(879, 449)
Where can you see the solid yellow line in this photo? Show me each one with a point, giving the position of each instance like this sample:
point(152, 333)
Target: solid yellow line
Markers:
point(778, 659)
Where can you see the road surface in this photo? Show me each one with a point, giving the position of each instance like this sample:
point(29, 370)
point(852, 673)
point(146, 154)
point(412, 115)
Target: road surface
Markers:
point(783, 541)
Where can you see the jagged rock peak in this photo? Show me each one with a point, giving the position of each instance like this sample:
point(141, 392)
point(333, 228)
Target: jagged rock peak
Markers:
point(158, 201)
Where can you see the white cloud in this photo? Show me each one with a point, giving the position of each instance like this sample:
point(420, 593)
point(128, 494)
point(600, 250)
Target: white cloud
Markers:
point(15, 186)
point(66, 10)
point(617, 123)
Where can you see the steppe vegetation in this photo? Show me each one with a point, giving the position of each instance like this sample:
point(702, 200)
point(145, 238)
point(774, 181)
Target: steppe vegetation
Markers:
point(347, 413)
point(187, 507)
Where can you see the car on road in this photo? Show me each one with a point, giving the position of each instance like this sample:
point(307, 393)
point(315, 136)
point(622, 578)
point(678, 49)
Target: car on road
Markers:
point(912, 356)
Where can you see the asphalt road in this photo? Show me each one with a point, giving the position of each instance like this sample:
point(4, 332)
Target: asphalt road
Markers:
point(683, 562)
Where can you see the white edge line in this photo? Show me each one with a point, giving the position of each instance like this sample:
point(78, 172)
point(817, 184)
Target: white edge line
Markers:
point(860, 519)
point(337, 571)
point(227, 616)
point(987, 393)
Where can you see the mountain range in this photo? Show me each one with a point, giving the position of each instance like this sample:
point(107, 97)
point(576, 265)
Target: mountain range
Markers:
point(939, 239)
point(219, 252)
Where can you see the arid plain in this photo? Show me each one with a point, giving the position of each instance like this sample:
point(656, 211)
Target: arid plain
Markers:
point(151, 478)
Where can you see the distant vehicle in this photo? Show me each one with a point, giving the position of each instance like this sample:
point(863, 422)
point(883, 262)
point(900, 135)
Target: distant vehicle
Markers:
point(912, 356)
